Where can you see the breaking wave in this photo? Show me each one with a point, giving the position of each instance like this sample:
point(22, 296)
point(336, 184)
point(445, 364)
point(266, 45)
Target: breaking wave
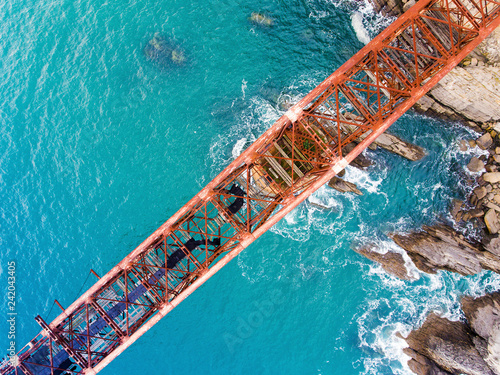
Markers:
point(359, 28)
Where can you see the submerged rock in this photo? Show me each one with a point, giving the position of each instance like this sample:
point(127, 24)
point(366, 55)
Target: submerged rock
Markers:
point(277, 96)
point(261, 19)
point(307, 34)
point(164, 51)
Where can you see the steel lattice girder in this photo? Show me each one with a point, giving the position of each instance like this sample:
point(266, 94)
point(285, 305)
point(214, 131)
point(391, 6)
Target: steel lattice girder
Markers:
point(297, 155)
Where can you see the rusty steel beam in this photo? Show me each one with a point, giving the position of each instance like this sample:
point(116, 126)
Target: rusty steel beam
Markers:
point(304, 149)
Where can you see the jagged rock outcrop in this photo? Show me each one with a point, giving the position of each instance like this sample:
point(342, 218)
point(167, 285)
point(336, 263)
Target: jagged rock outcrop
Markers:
point(422, 365)
point(469, 347)
point(390, 261)
point(392, 8)
point(344, 186)
point(483, 316)
point(435, 248)
point(442, 347)
point(386, 141)
point(475, 165)
point(440, 247)
point(488, 50)
point(397, 146)
point(446, 345)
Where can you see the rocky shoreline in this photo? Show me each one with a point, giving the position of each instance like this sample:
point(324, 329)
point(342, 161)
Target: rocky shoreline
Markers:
point(469, 94)
point(444, 347)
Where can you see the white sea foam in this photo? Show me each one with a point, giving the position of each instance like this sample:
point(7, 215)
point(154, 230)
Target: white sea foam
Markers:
point(365, 180)
point(238, 147)
point(365, 21)
point(254, 120)
point(359, 28)
point(384, 246)
point(321, 201)
point(243, 87)
point(407, 309)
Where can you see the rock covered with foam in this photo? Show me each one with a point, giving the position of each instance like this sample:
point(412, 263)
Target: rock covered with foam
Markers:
point(392, 262)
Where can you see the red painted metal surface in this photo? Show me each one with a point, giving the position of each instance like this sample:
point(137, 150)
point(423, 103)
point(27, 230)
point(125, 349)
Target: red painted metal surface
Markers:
point(297, 155)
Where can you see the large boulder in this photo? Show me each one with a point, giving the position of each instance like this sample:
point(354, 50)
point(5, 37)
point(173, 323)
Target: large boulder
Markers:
point(493, 245)
point(475, 165)
point(485, 141)
point(449, 345)
point(483, 315)
point(491, 221)
point(491, 177)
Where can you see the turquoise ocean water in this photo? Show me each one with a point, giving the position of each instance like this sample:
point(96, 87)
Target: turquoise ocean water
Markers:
point(99, 146)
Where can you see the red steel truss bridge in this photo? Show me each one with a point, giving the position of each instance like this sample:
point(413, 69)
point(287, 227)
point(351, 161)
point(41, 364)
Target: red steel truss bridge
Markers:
point(305, 148)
